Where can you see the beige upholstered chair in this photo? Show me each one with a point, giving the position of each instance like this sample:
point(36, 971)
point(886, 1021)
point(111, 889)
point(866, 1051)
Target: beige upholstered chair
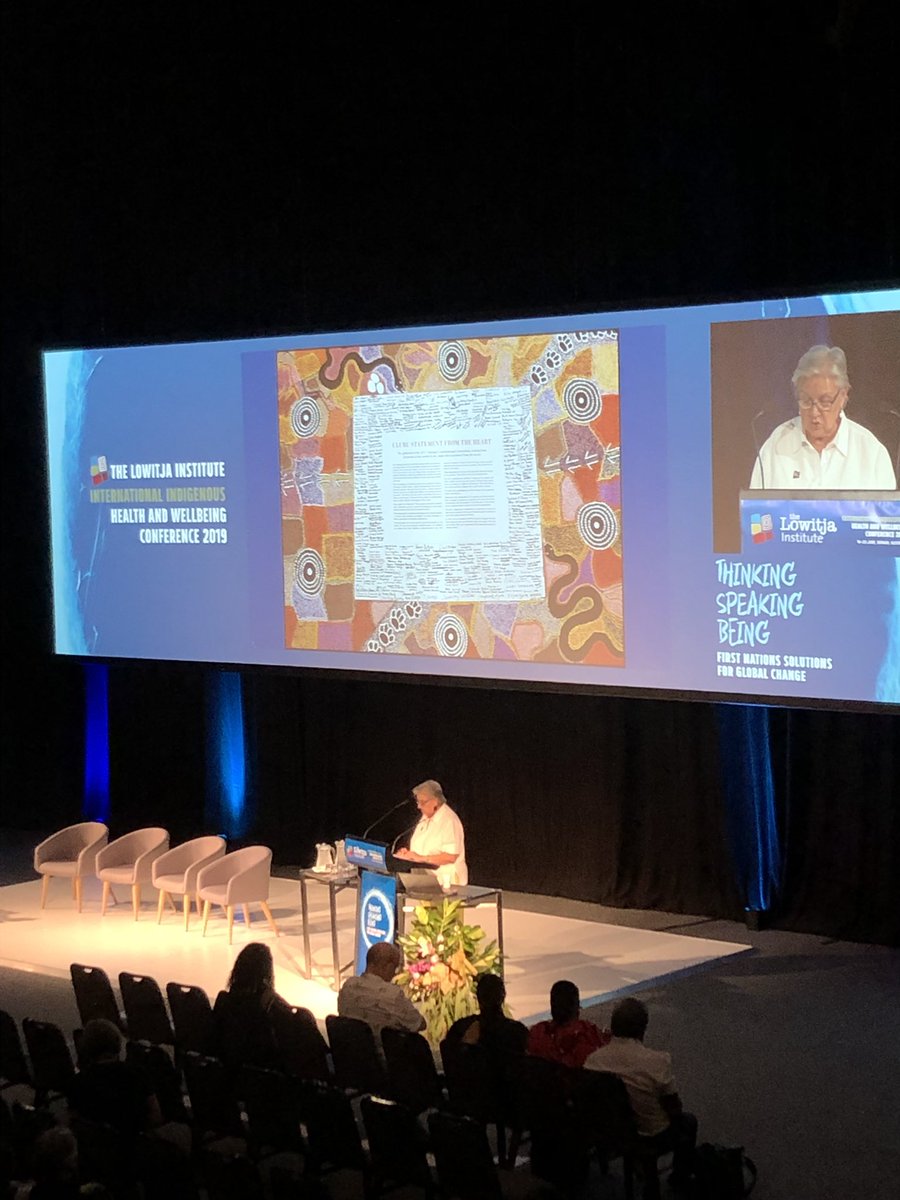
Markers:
point(71, 852)
point(175, 872)
point(130, 860)
point(241, 877)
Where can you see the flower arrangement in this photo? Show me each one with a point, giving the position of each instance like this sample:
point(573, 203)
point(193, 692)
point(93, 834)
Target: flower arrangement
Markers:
point(442, 959)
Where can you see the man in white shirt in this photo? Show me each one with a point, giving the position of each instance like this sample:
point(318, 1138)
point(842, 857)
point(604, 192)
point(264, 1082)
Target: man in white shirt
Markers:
point(373, 997)
point(647, 1075)
point(439, 837)
point(821, 447)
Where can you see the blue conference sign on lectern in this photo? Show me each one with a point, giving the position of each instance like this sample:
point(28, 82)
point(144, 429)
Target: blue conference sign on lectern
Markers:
point(376, 913)
point(377, 921)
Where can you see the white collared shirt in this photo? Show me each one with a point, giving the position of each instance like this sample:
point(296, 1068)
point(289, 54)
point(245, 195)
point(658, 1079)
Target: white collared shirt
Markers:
point(854, 460)
point(647, 1075)
point(443, 834)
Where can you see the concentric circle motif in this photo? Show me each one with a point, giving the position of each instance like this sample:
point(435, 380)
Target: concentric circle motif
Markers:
point(598, 525)
point(306, 417)
point(453, 360)
point(583, 400)
point(450, 636)
point(309, 572)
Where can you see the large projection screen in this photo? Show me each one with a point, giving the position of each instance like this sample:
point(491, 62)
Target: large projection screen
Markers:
point(681, 499)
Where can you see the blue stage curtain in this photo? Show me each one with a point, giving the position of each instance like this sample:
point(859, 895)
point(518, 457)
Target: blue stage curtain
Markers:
point(95, 806)
point(227, 810)
point(749, 791)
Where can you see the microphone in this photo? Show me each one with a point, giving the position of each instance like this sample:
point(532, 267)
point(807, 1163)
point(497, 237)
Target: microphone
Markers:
point(762, 471)
point(384, 816)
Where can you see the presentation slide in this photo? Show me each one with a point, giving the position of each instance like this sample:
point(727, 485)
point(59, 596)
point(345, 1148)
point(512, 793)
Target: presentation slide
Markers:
point(698, 499)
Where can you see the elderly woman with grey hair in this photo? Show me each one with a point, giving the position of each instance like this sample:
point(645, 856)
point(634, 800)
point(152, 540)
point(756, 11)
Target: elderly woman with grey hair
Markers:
point(438, 840)
point(821, 447)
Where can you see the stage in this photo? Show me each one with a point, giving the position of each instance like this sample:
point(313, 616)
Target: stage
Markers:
point(605, 961)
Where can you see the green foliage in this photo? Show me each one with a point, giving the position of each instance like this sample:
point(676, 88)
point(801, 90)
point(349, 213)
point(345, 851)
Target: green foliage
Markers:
point(443, 957)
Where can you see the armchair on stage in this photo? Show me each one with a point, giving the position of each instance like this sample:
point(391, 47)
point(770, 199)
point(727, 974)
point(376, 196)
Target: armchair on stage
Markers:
point(70, 853)
point(241, 877)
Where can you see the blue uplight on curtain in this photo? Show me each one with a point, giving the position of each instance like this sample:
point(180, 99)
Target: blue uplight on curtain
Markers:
point(749, 790)
point(226, 782)
point(95, 804)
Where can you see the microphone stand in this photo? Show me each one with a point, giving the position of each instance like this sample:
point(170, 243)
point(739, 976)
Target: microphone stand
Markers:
point(762, 469)
point(384, 816)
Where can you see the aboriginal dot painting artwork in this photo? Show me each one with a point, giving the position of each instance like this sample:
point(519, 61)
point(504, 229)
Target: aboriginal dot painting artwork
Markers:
point(454, 498)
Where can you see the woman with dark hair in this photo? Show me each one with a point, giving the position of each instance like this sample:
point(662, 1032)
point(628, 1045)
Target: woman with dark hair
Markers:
point(566, 1038)
point(243, 1014)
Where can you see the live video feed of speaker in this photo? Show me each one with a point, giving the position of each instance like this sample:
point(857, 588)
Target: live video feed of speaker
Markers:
point(697, 499)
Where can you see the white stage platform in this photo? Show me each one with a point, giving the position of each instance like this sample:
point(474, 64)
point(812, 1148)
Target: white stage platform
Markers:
point(605, 961)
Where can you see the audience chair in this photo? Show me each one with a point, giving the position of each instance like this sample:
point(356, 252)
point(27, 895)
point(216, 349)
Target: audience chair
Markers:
point(13, 1065)
point(51, 1061)
point(476, 1089)
point(175, 872)
point(231, 1177)
point(272, 1106)
point(70, 853)
point(129, 860)
point(412, 1076)
point(357, 1064)
point(303, 1050)
point(462, 1157)
point(241, 877)
point(192, 1017)
point(145, 1010)
point(332, 1134)
point(541, 1105)
point(602, 1113)
point(94, 995)
point(214, 1107)
point(163, 1075)
point(397, 1146)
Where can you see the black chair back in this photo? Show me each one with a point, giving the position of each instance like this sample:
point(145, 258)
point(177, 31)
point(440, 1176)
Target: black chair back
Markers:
point(145, 1010)
point(273, 1110)
point(332, 1134)
point(51, 1062)
point(231, 1177)
point(602, 1109)
point(397, 1145)
point(164, 1076)
point(357, 1064)
point(13, 1065)
point(303, 1052)
point(462, 1157)
point(94, 995)
point(412, 1075)
point(214, 1108)
point(192, 1018)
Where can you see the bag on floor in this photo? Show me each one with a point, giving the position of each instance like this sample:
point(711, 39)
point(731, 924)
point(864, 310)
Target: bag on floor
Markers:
point(723, 1173)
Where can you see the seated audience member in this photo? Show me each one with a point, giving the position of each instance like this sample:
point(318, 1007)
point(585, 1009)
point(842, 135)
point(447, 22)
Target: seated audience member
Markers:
point(491, 1027)
point(243, 1014)
point(55, 1170)
point(373, 997)
point(647, 1075)
point(110, 1091)
point(107, 1089)
point(565, 1038)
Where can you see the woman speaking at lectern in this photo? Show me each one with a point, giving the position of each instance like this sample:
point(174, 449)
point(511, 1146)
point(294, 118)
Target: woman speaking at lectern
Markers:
point(438, 838)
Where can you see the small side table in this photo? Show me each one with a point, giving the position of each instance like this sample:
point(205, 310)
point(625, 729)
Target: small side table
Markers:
point(336, 882)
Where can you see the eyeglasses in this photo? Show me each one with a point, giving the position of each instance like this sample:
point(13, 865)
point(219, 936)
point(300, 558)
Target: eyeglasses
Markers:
point(823, 403)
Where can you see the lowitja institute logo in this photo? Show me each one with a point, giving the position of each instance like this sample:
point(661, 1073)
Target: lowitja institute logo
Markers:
point(99, 470)
point(761, 528)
